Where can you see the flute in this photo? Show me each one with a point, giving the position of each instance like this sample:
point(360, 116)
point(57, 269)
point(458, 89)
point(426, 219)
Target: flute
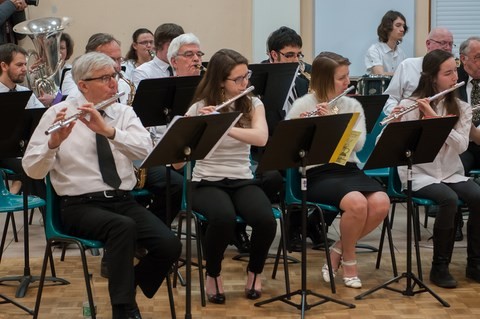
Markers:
point(396, 115)
point(331, 102)
point(99, 106)
point(236, 97)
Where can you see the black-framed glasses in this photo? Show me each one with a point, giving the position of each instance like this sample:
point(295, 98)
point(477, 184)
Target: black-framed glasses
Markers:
point(444, 43)
point(239, 80)
point(105, 79)
point(190, 54)
point(146, 42)
point(290, 55)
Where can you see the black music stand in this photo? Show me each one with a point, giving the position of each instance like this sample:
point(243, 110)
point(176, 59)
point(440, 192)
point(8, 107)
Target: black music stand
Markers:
point(408, 143)
point(298, 143)
point(372, 107)
point(157, 101)
point(11, 146)
point(188, 139)
point(273, 82)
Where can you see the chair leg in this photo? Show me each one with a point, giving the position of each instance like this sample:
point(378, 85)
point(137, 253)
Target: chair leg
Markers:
point(46, 258)
point(380, 244)
point(416, 237)
point(170, 297)
point(198, 232)
point(4, 235)
point(327, 251)
point(283, 244)
point(176, 266)
point(30, 220)
point(14, 227)
point(392, 215)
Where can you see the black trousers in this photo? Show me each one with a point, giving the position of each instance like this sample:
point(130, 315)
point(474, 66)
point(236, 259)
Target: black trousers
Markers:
point(220, 202)
point(156, 183)
point(471, 157)
point(120, 223)
point(446, 195)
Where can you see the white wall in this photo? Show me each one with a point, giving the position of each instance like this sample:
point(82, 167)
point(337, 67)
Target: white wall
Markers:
point(269, 15)
point(349, 27)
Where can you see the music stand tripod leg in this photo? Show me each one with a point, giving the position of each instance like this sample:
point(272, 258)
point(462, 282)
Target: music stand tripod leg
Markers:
point(304, 292)
point(8, 300)
point(412, 280)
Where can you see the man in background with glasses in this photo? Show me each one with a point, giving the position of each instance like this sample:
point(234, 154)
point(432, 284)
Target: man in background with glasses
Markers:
point(159, 67)
point(406, 76)
point(185, 56)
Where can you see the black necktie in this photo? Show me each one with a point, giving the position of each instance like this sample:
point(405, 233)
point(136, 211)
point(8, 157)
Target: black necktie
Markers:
point(170, 70)
point(107, 163)
point(475, 101)
point(13, 90)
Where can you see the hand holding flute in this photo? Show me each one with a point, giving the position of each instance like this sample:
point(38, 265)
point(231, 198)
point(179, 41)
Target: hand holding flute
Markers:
point(325, 107)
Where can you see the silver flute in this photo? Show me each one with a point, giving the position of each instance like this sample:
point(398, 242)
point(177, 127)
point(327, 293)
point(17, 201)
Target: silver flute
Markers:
point(396, 115)
point(99, 106)
point(236, 97)
point(331, 102)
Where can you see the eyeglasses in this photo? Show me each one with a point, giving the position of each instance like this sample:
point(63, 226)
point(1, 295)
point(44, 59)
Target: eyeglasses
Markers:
point(290, 55)
point(105, 79)
point(444, 43)
point(190, 54)
point(240, 79)
point(117, 60)
point(146, 42)
point(475, 59)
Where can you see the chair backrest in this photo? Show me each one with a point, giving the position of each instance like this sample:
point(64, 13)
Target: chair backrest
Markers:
point(394, 186)
point(53, 224)
point(293, 192)
point(371, 140)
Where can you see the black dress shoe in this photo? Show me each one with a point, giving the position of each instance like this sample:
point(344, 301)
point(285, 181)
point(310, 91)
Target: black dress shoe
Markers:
point(126, 311)
point(103, 267)
point(241, 241)
point(473, 272)
point(295, 241)
point(252, 293)
point(217, 297)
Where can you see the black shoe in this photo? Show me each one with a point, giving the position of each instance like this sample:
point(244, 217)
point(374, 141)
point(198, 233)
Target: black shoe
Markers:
point(473, 272)
point(295, 241)
point(458, 231)
point(440, 276)
point(241, 241)
point(103, 267)
point(217, 297)
point(252, 293)
point(126, 311)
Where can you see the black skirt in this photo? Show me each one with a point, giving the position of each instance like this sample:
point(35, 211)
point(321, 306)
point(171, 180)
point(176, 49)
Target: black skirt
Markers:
point(329, 183)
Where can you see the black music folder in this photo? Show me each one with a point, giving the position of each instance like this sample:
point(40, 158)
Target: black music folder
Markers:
point(157, 101)
point(423, 138)
point(372, 107)
point(12, 130)
point(273, 82)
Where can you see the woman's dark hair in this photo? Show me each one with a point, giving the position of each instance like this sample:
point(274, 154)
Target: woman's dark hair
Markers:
point(132, 53)
point(68, 43)
point(323, 71)
point(427, 86)
point(210, 89)
point(386, 25)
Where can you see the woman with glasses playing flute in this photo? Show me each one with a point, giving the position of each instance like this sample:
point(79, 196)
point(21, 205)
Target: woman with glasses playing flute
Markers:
point(361, 200)
point(226, 177)
point(443, 180)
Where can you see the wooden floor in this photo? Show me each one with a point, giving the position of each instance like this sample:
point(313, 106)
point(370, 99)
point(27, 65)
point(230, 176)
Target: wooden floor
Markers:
point(66, 301)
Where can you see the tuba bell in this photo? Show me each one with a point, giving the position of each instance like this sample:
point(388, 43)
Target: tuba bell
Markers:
point(43, 75)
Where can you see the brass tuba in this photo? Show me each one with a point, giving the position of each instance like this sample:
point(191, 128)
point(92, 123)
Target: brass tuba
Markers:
point(43, 76)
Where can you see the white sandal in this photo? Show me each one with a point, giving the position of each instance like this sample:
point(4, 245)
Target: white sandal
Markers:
point(351, 282)
point(325, 270)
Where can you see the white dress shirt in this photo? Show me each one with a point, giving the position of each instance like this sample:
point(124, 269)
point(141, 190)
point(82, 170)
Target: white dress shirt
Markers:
point(73, 166)
point(344, 104)
point(381, 54)
point(447, 166)
point(151, 70)
point(33, 102)
point(403, 83)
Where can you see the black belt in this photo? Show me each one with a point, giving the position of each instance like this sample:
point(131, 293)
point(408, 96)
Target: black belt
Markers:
point(114, 193)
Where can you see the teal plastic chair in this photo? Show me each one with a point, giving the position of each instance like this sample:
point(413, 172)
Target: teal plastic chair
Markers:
point(54, 234)
point(10, 203)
